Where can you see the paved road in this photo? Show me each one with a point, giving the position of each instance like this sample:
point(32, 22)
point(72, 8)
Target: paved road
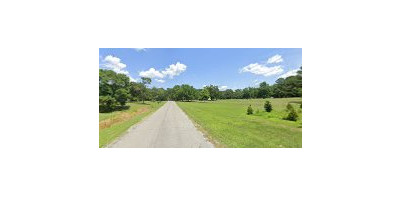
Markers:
point(168, 127)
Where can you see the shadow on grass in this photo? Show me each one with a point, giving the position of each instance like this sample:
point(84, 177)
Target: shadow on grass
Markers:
point(118, 108)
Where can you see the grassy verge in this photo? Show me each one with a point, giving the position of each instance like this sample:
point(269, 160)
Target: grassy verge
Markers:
point(113, 124)
point(226, 122)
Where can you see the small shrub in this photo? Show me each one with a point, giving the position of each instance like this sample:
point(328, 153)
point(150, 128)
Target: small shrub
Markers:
point(258, 111)
point(268, 106)
point(301, 105)
point(289, 107)
point(292, 115)
point(249, 110)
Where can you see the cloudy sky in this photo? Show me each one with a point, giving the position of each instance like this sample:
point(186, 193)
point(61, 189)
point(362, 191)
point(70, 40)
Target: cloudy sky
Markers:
point(227, 68)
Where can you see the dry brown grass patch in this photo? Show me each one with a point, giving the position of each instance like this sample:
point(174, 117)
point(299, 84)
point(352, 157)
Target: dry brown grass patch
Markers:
point(121, 117)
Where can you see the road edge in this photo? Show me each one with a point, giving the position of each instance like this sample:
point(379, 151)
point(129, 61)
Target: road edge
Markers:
point(203, 131)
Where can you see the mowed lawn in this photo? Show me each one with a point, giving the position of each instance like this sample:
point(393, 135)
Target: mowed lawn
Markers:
point(113, 124)
point(226, 122)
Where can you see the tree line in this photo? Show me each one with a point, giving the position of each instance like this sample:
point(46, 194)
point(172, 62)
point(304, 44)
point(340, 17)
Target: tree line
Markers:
point(116, 89)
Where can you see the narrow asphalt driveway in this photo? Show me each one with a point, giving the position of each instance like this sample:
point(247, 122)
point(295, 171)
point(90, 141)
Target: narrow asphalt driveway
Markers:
point(168, 127)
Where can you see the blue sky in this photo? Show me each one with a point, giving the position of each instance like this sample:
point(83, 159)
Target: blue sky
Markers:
point(230, 68)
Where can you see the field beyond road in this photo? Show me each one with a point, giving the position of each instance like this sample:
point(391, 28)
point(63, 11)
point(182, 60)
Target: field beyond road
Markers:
point(226, 123)
point(113, 124)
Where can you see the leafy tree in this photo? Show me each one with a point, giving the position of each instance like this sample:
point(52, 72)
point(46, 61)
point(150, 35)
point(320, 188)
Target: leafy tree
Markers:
point(113, 87)
point(288, 87)
point(176, 93)
point(264, 90)
point(253, 92)
point(238, 94)
point(229, 94)
point(187, 93)
point(214, 91)
point(204, 95)
point(144, 92)
point(146, 81)
point(161, 94)
point(110, 82)
point(249, 110)
point(267, 106)
point(107, 103)
point(121, 96)
point(246, 93)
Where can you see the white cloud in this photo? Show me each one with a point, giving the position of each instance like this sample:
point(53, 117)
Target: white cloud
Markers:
point(171, 71)
point(132, 79)
point(260, 69)
point(222, 88)
point(275, 59)
point(151, 73)
point(160, 80)
point(114, 63)
point(289, 73)
point(174, 70)
point(140, 49)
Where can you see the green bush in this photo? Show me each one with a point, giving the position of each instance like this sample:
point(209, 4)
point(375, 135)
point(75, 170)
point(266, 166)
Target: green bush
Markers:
point(292, 115)
point(289, 107)
point(249, 110)
point(268, 106)
point(107, 103)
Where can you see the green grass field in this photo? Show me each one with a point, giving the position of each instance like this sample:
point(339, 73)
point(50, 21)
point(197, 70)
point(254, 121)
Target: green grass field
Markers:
point(113, 124)
point(226, 123)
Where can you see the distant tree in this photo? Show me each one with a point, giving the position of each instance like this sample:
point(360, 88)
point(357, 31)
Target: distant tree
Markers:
point(253, 92)
point(121, 96)
point(214, 91)
point(187, 92)
point(229, 94)
point(146, 81)
point(246, 93)
point(161, 94)
point(204, 95)
point(288, 87)
point(249, 110)
point(264, 91)
point(238, 94)
point(176, 93)
point(267, 106)
point(144, 92)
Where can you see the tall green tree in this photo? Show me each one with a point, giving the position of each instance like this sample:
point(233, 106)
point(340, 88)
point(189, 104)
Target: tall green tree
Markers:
point(121, 95)
point(214, 91)
point(204, 95)
point(110, 82)
point(264, 91)
point(144, 91)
